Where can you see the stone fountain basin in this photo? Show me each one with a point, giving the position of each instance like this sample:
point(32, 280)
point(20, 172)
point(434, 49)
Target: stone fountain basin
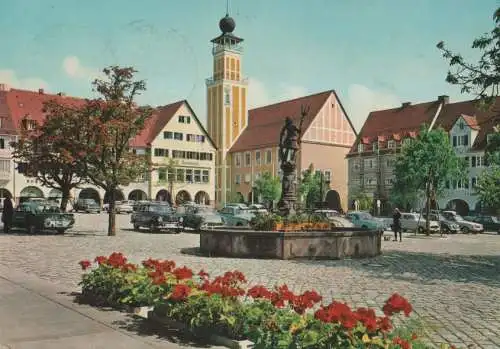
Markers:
point(339, 243)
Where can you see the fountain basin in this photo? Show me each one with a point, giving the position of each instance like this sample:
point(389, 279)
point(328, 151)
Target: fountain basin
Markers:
point(339, 243)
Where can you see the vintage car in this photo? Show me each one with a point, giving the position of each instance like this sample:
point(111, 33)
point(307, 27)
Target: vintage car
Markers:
point(156, 216)
point(236, 216)
point(465, 226)
point(257, 208)
point(126, 206)
point(334, 218)
point(199, 217)
point(415, 222)
point(365, 220)
point(490, 223)
point(447, 226)
point(87, 205)
point(41, 216)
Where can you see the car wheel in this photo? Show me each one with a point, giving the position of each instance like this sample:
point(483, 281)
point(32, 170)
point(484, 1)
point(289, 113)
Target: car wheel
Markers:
point(60, 231)
point(364, 227)
point(465, 230)
point(137, 227)
point(32, 229)
point(446, 230)
point(421, 230)
point(239, 224)
point(153, 228)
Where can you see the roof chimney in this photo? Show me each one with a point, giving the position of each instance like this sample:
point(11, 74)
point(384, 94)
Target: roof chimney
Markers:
point(444, 99)
point(61, 94)
point(4, 87)
point(405, 104)
point(40, 91)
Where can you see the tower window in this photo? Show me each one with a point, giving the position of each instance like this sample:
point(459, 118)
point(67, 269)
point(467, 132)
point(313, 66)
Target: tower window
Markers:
point(227, 97)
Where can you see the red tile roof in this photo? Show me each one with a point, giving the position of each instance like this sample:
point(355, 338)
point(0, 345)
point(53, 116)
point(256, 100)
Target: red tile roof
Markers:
point(155, 124)
point(264, 123)
point(395, 122)
point(406, 121)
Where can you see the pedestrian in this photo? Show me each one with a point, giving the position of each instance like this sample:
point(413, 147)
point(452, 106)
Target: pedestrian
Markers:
point(396, 224)
point(7, 213)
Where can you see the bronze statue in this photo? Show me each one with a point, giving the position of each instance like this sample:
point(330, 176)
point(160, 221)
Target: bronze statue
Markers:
point(289, 146)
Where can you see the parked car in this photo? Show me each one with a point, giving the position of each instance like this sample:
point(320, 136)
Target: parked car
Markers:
point(41, 216)
point(156, 217)
point(490, 223)
point(335, 219)
point(465, 226)
point(236, 216)
point(125, 206)
point(87, 205)
point(416, 222)
point(199, 217)
point(138, 203)
point(365, 220)
point(447, 226)
point(257, 208)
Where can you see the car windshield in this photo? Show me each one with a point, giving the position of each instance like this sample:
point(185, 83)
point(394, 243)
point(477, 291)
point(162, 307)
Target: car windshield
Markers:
point(459, 217)
point(206, 210)
point(365, 216)
point(160, 208)
point(495, 219)
point(328, 214)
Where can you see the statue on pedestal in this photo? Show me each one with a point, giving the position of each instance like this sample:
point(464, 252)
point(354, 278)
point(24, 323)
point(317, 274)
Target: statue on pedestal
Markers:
point(289, 146)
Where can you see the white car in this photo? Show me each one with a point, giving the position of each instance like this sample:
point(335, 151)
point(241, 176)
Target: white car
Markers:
point(124, 206)
point(414, 222)
point(465, 226)
point(257, 208)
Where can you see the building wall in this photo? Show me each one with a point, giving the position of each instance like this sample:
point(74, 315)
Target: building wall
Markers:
point(191, 170)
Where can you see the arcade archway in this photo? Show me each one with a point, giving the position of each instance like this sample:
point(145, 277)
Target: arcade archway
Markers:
point(459, 206)
point(202, 198)
point(137, 195)
point(182, 197)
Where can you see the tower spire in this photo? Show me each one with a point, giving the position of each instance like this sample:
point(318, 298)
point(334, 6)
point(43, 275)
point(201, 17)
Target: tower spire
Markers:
point(227, 7)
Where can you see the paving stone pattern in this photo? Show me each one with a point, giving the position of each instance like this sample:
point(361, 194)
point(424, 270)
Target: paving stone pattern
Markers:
point(453, 283)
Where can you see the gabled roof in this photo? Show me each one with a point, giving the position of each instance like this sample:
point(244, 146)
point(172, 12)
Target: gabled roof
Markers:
point(160, 118)
point(396, 122)
point(265, 123)
point(471, 121)
point(23, 103)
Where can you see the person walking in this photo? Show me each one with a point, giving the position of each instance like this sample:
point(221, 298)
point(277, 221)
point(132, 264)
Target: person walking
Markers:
point(7, 213)
point(396, 224)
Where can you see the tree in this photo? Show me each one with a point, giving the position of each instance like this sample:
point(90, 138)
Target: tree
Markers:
point(268, 187)
point(481, 78)
point(42, 149)
point(112, 121)
point(364, 201)
point(425, 164)
point(312, 187)
point(488, 188)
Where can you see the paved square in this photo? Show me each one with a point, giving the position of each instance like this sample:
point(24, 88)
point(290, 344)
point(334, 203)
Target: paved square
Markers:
point(453, 283)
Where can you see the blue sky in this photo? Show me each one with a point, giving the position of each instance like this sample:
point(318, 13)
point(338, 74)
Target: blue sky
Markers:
point(375, 53)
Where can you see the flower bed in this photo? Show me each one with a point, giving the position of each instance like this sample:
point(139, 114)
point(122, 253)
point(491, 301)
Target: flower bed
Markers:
point(270, 318)
point(302, 222)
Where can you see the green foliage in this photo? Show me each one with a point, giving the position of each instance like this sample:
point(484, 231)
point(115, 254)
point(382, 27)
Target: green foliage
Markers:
point(312, 185)
point(265, 222)
point(425, 164)
point(110, 123)
point(268, 187)
point(365, 202)
point(481, 78)
point(488, 187)
point(51, 150)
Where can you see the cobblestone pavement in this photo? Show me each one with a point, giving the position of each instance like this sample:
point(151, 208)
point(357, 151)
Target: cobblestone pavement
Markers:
point(453, 283)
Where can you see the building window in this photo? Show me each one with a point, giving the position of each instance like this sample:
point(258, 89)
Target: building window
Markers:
point(391, 144)
point(227, 96)
point(369, 163)
point(184, 119)
point(237, 160)
point(477, 161)
point(205, 176)
point(179, 175)
point(237, 179)
point(1, 122)
point(178, 136)
point(269, 156)
point(161, 152)
point(197, 176)
point(257, 157)
point(171, 175)
point(162, 174)
point(461, 141)
point(189, 176)
point(168, 135)
point(248, 159)
point(356, 165)
point(370, 181)
point(375, 146)
point(4, 165)
point(389, 181)
point(361, 147)
point(327, 175)
point(473, 182)
point(2, 143)
point(389, 163)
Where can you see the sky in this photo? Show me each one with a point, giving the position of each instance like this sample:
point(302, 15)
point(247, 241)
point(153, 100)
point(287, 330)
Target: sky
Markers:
point(374, 53)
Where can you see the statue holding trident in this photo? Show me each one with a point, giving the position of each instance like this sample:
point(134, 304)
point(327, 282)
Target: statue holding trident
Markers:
point(289, 146)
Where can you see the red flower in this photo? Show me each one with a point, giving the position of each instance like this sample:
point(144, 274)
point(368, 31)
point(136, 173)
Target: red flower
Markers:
point(368, 318)
point(395, 304)
point(117, 260)
point(183, 273)
point(259, 291)
point(414, 336)
point(85, 264)
point(180, 292)
point(339, 313)
point(401, 342)
point(101, 260)
point(129, 267)
point(203, 274)
point(384, 324)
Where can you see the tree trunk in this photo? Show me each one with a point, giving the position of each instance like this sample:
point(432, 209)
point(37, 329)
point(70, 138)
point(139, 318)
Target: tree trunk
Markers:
point(112, 213)
point(428, 207)
point(64, 199)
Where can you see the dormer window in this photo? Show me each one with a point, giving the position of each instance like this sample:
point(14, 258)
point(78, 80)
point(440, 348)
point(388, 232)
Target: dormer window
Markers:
point(461, 125)
point(391, 144)
point(361, 147)
point(375, 146)
point(28, 124)
point(184, 119)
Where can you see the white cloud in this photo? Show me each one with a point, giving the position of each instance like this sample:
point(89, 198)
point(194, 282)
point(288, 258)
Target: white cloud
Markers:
point(361, 101)
point(10, 78)
point(75, 69)
point(259, 95)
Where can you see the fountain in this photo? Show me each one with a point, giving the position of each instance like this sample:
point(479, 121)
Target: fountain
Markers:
point(334, 243)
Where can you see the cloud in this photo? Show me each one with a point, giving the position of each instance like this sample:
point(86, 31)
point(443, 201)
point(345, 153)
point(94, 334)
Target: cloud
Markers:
point(75, 69)
point(361, 101)
point(259, 95)
point(10, 78)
